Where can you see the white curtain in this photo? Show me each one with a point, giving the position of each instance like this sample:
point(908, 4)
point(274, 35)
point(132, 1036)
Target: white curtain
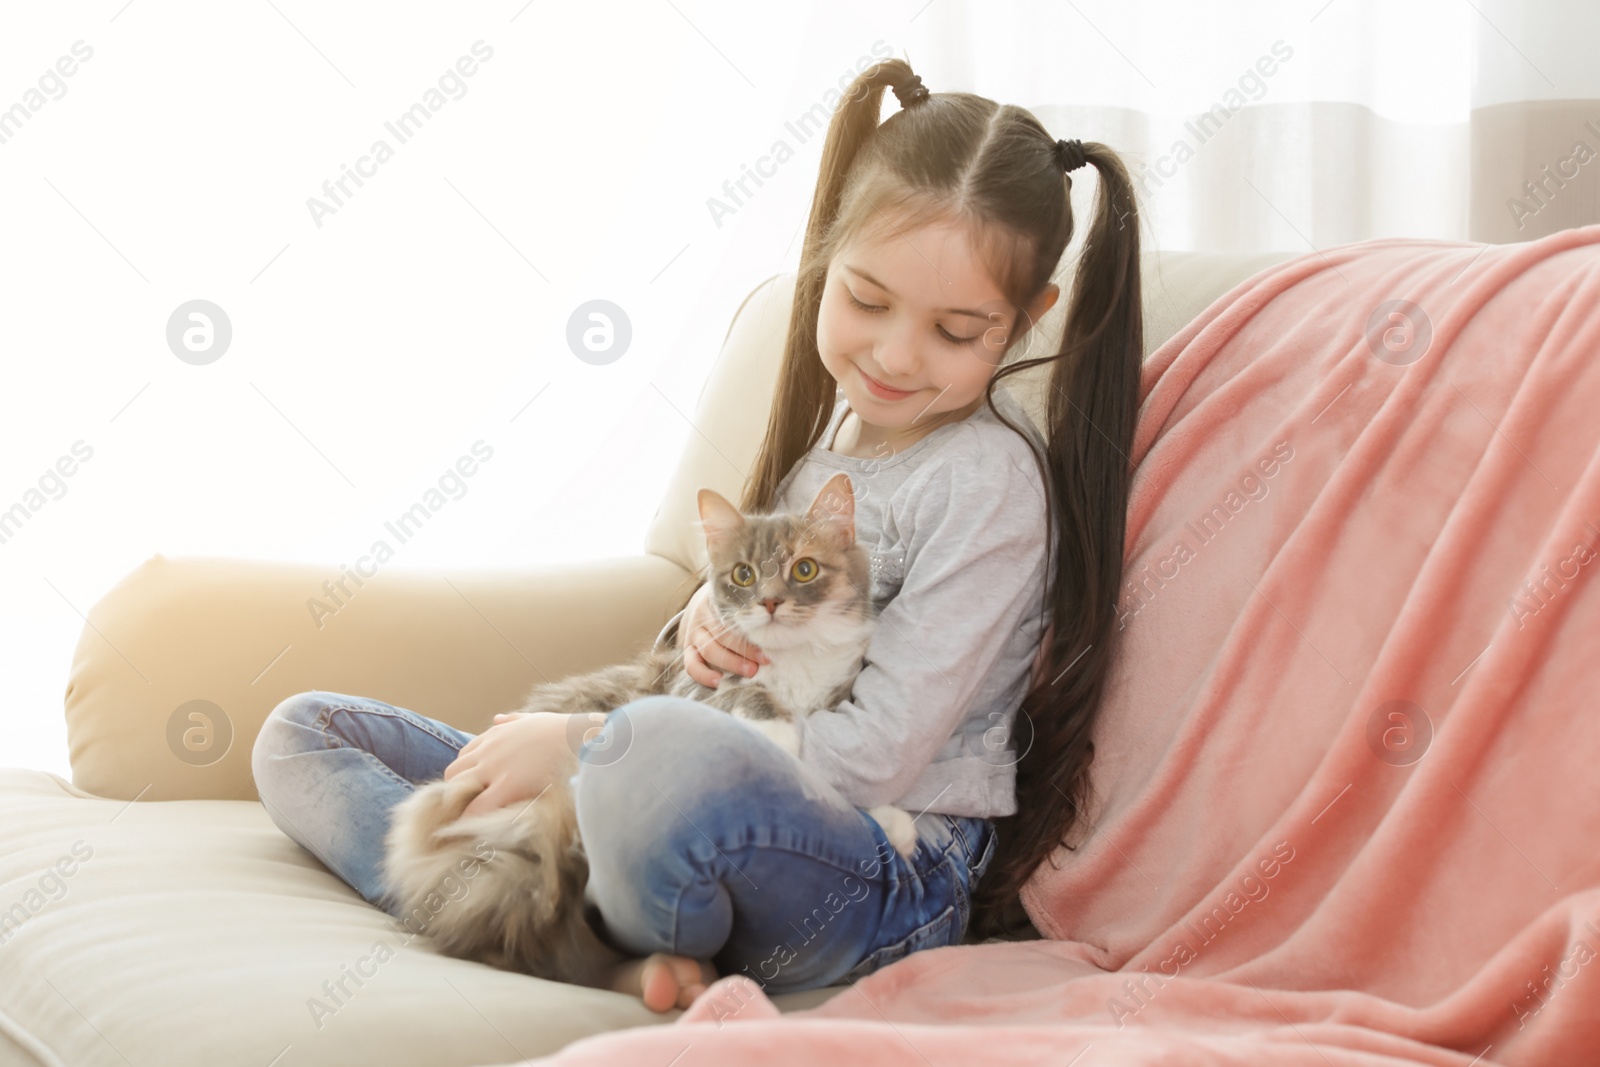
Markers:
point(1258, 125)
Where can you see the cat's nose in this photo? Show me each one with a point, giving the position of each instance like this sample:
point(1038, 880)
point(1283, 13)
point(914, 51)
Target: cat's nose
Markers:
point(772, 603)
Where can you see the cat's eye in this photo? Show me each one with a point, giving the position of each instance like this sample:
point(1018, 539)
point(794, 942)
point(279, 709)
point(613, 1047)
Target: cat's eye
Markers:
point(744, 574)
point(805, 569)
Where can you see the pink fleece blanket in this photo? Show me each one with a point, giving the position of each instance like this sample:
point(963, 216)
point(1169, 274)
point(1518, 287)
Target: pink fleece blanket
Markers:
point(1348, 770)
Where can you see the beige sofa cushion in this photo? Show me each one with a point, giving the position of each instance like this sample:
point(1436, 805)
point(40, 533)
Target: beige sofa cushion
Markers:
point(196, 933)
point(228, 639)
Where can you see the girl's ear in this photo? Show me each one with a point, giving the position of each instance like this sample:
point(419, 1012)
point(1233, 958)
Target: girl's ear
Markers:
point(1043, 303)
point(1035, 311)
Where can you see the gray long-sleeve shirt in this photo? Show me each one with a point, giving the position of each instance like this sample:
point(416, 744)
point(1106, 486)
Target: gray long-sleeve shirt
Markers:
point(955, 529)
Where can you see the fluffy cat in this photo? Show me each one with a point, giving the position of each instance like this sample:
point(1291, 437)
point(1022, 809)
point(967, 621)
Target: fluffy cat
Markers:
point(794, 585)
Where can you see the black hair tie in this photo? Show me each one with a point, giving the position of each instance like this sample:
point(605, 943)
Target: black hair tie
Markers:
point(1070, 154)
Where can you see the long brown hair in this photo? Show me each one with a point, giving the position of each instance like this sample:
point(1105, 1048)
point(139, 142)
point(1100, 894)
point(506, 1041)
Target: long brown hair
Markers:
point(994, 168)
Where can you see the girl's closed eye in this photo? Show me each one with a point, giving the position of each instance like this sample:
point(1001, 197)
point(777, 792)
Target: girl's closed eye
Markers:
point(873, 309)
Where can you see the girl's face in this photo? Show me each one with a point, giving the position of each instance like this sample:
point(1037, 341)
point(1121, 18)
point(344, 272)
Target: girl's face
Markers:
point(913, 327)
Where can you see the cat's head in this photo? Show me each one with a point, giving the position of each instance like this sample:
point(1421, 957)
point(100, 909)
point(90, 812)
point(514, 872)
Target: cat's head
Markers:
point(788, 579)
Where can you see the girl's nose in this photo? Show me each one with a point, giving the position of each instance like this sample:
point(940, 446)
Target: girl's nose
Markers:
point(897, 359)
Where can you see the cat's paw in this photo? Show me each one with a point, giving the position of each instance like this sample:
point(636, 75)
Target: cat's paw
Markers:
point(898, 827)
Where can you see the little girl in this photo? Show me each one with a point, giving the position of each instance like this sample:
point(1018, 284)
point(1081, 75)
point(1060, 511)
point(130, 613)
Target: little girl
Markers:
point(929, 251)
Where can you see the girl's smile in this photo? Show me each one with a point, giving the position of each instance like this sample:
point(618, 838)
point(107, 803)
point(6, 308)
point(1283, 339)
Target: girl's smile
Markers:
point(883, 391)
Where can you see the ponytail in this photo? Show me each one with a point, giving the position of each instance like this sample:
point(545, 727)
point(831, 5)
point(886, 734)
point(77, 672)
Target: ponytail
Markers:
point(804, 398)
point(1092, 412)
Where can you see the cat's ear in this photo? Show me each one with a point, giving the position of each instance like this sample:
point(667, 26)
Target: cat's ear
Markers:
point(835, 504)
point(718, 518)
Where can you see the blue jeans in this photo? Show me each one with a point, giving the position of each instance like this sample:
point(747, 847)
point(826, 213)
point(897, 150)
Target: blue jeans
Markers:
point(704, 838)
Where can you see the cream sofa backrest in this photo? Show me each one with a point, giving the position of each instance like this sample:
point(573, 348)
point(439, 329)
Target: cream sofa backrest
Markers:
point(731, 414)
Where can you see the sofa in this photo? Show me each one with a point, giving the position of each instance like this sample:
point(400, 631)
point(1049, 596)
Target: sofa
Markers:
point(150, 910)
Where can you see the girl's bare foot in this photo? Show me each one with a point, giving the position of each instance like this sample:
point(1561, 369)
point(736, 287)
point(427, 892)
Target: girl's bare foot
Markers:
point(663, 981)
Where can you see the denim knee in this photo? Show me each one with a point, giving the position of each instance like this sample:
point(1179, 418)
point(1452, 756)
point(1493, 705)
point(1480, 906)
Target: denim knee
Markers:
point(303, 708)
point(279, 733)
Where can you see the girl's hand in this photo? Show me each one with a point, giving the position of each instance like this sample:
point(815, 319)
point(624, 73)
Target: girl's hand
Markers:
point(517, 759)
point(710, 647)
